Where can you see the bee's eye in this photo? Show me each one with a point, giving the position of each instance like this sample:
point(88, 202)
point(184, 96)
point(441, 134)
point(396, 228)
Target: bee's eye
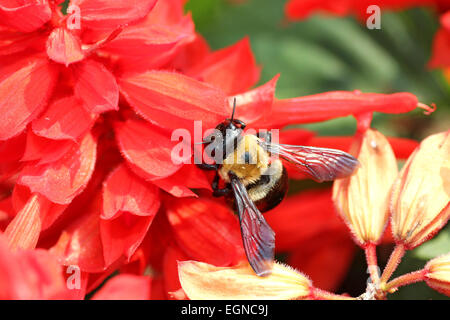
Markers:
point(247, 157)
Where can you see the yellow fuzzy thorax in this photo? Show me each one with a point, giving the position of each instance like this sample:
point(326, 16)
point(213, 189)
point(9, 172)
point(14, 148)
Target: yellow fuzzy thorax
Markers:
point(251, 172)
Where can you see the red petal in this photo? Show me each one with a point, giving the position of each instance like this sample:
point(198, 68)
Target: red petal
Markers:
point(14, 42)
point(24, 88)
point(63, 180)
point(25, 16)
point(146, 149)
point(122, 235)
point(125, 287)
point(255, 104)
point(178, 184)
point(150, 45)
point(171, 257)
point(301, 217)
point(97, 14)
point(174, 100)
point(206, 231)
point(64, 47)
point(80, 243)
point(23, 231)
point(330, 105)
point(45, 150)
point(30, 275)
point(233, 69)
point(123, 191)
point(315, 256)
point(191, 54)
point(13, 149)
point(301, 9)
point(100, 95)
point(64, 119)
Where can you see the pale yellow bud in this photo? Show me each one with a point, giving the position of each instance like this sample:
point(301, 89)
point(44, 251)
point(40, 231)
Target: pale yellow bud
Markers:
point(202, 281)
point(438, 274)
point(421, 194)
point(363, 198)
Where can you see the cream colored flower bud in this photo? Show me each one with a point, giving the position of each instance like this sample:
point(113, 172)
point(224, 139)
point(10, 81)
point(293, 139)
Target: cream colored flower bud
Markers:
point(202, 281)
point(420, 197)
point(362, 199)
point(438, 274)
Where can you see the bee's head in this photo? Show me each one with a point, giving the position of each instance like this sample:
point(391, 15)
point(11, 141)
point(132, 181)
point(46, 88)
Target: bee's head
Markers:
point(229, 132)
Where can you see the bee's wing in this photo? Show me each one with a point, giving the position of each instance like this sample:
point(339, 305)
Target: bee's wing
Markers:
point(322, 164)
point(257, 236)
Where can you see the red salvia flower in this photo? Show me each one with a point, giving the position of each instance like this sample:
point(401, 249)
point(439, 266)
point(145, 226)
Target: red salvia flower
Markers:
point(86, 172)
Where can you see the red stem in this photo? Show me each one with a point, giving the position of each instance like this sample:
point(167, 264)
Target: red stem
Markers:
point(394, 260)
point(371, 258)
point(405, 279)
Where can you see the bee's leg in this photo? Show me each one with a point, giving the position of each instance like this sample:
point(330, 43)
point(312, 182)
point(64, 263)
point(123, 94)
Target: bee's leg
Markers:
point(215, 186)
point(205, 166)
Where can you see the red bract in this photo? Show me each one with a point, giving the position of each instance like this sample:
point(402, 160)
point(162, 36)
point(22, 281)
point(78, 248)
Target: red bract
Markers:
point(86, 166)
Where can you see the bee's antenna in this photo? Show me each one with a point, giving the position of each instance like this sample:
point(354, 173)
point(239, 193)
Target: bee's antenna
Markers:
point(234, 109)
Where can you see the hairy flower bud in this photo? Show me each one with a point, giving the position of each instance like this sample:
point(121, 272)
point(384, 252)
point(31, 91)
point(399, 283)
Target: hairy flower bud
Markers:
point(202, 281)
point(438, 274)
point(420, 197)
point(362, 199)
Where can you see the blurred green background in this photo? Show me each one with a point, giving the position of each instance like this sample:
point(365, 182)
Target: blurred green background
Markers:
point(325, 53)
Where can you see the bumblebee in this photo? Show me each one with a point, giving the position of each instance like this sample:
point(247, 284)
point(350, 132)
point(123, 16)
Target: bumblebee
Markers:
point(256, 180)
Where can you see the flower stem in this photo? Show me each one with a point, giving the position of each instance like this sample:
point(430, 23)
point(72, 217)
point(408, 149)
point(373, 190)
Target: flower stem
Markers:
point(394, 260)
point(319, 294)
point(405, 279)
point(371, 258)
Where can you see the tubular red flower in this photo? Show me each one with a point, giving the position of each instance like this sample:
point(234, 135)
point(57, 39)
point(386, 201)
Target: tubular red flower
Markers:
point(329, 105)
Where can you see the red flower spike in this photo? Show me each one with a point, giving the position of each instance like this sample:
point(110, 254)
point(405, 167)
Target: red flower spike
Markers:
point(45, 150)
point(125, 287)
point(203, 227)
point(33, 14)
point(314, 257)
point(100, 95)
point(64, 47)
point(63, 180)
point(80, 243)
point(146, 149)
point(330, 105)
point(123, 191)
point(64, 119)
point(96, 14)
point(122, 235)
point(233, 69)
point(302, 217)
point(174, 100)
point(25, 88)
point(255, 104)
